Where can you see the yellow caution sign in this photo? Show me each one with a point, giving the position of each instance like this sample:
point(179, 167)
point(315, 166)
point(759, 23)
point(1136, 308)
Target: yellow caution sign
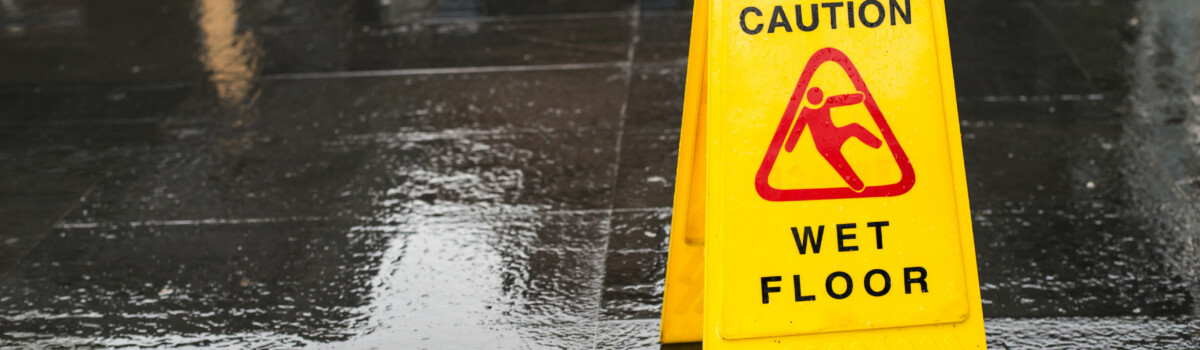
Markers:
point(820, 199)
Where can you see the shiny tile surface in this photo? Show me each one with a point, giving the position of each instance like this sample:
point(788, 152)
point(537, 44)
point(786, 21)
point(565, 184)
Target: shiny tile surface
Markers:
point(499, 174)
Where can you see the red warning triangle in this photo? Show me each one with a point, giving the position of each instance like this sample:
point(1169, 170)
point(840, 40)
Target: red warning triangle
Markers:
point(830, 138)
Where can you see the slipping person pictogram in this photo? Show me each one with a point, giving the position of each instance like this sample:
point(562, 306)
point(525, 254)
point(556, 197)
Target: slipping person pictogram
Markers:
point(828, 138)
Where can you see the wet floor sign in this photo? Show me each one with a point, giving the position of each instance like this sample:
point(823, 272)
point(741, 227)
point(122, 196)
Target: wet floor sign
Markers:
point(821, 200)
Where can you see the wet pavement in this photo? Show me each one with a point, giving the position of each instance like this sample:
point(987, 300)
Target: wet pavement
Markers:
point(498, 174)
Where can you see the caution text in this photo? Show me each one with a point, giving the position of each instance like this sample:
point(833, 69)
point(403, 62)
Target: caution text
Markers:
point(832, 15)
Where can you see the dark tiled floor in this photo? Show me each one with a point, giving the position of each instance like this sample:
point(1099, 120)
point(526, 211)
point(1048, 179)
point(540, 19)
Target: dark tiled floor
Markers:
point(498, 174)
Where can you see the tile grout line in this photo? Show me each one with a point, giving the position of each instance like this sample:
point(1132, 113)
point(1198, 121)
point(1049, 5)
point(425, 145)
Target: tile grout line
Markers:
point(198, 222)
point(515, 18)
point(344, 75)
point(1061, 42)
point(74, 206)
point(545, 17)
point(440, 71)
point(292, 219)
point(157, 85)
point(612, 200)
point(1076, 97)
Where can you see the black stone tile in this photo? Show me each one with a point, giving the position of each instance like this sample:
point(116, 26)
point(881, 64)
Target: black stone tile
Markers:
point(636, 265)
point(683, 346)
point(982, 28)
point(630, 302)
point(568, 230)
point(77, 137)
point(540, 7)
point(646, 177)
point(216, 40)
point(523, 101)
point(1093, 332)
point(656, 97)
point(1097, 34)
point(438, 44)
point(82, 105)
point(666, 5)
point(1173, 225)
point(562, 288)
point(1088, 258)
point(663, 37)
point(47, 169)
point(477, 270)
point(640, 230)
point(1017, 161)
point(633, 285)
point(1048, 161)
point(635, 268)
point(314, 279)
point(1099, 162)
point(562, 336)
point(391, 173)
point(1006, 48)
point(473, 336)
point(65, 159)
point(1163, 165)
point(325, 148)
point(1019, 73)
point(80, 41)
point(298, 278)
point(638, 334)
point(26, 219)
point(552, 171)
point(1033, 107)
point(556, 100)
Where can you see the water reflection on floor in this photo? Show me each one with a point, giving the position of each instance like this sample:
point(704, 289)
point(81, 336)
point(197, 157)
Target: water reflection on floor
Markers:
point(498, 174)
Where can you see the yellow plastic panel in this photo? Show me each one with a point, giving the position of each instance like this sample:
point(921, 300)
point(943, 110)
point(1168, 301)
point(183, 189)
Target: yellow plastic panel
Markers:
point(683, 312)
point(871, 165)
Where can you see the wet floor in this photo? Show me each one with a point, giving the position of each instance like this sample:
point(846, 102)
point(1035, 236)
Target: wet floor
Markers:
point(498, 174)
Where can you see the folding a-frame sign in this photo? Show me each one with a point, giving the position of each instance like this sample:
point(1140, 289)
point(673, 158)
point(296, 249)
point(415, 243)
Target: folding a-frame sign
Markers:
point(821, 200)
